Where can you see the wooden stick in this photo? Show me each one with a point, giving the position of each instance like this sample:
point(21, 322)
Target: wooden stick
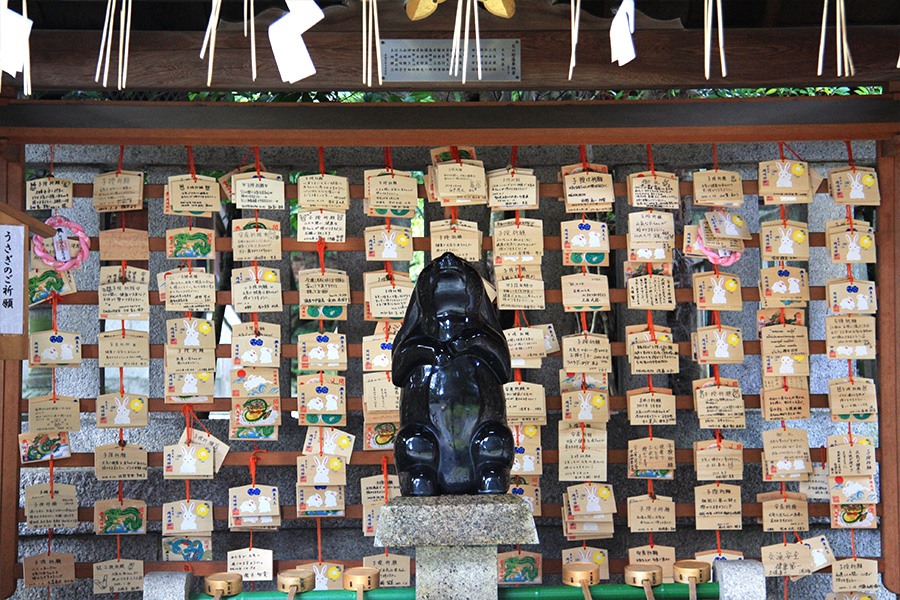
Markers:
point(121, 45)
point(217, 5)
point(722, 64)
point(26, 73)
point(209, 27)
point(365, 40)
point(849, 68)
point(837, 38)
point(457, 34)
point(648, 591)
point(465, 58)
point(574, 38)
point(822, 37)
point(245, 18)
point(370, 35)
point(103, 41)
point(377, 48)
point(127, 45)
point(707, 42)
point(252, 38)
point(112, 25)
point(477, 38)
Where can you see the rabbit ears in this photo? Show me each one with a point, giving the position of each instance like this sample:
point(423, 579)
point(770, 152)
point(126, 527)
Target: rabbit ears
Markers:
point(784, 166)
point(188, 450)
point(121, 402)
point(720, 336)
point(187, 507)
point(854, 239)
point(785, 232)
point(320, 461)
point(386, 238)
point(189, 325)
point(318, 572)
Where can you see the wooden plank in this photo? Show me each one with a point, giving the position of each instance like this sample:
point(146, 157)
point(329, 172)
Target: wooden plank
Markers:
point(354, 404)
point(483, 123)
point(888, 373)
point(281, 458)
point(666, 58)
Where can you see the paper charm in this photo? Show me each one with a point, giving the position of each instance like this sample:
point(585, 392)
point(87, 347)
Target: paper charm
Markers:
point(621, 45)
point(14, 46)
point(285, 37)
point(371, 36)
point(707, 36)
point(455, 58)
point(845, 67)
point(106, 39)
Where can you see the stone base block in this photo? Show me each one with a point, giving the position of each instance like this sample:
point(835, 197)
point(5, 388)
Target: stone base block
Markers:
point(456, 573)
point(740, 579)
point(167, 585)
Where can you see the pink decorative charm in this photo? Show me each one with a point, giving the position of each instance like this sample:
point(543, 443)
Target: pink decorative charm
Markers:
point(723, 258)
point(49, 259)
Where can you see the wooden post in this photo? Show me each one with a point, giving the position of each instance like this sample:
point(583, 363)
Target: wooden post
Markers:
point(12, 182)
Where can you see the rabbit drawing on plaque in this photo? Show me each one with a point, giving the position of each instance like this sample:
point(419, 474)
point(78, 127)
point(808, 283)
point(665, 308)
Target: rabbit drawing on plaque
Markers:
point(793, 285)
point(721, 344)
point(718, 296)
point(50, 353)
point(331, 403)
point(856, 186)
point(729, 226)
point(66, 352)
point(265, 503)
point(191, 335)
point(593, 500)
point(188, 460)
point(315, 404)
point(594, 239)
point(265, 355)
point(862, 301)
point(786, 244)
point(585, 412)
point(321, 578)
point(330, 499)
point(580, 240)
point(853, 247)
point(381, 360)
point(248, 506)
point(189, 384)
point(787, 366)
point(123, 413)
point(250, 356)
point(188, 517)
point(451, 361)
point(780, 287)
point(322, 476)
point(333, 352)
point(784, 175)
point(390, 246)
point(329, 443)
point(315, 501)
point(317, 353)
point(848, 303)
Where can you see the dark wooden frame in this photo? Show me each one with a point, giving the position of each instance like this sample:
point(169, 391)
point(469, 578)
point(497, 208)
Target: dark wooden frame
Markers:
point(773, 120)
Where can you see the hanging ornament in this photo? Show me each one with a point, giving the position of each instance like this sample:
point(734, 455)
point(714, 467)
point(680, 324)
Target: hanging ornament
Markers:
point(707, 36)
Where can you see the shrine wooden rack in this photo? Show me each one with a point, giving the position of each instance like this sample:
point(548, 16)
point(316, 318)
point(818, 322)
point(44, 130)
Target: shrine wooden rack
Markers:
point(876, 118)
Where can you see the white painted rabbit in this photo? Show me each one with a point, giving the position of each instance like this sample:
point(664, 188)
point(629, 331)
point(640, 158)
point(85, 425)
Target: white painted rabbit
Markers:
point(315, 404)
point(517, 465)
point(595, 240)
point(50, 353)
point(585, 413)
point(848, 303)
point(862, 351)
point(527, 463)
point(784, 175)
point(659, 253)
point(390, 246)
point(333, 352)
point(322, 476)
point(188, 460)
point(862, 301)
point(330, 499)
point(787, 366)
point(580, 240)
point(721, 344)
point(856, 186)
point(381, 360)
point(718, 296)
point(265, 504)
point(265, 355)
point(123, 413)
point(794, 285)
point(250, 356)
point(729, 226)
point(66, 352)
point(593, 500)
point(317, 353)
point(644, 253)
point(255, 381)
point(786, 245)
point(853, 247)
point(188, 517)
point(248, 506)
point(329, 444)
point(844, 350)
point(530, 502)
point(779, 287)
point(315, 501)
point(191, 335)
point(189, 386)
point(321, 579)
point(331, 403)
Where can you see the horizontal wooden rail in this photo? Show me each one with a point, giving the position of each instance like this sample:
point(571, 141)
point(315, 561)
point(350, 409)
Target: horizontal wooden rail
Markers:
point(283, 458)
point(354, 404)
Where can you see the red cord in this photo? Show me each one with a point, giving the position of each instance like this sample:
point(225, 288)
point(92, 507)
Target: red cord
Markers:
point(191, 167)
point(321, 160)
point(650, 160)
point(850, 156)
point(121, 156)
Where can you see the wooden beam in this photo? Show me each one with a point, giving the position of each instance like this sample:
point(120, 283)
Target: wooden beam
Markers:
point(34, 225)
point(666, 58)
point(416, 124)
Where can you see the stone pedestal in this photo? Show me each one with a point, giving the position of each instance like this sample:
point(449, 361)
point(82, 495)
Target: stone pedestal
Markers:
point(456, 539)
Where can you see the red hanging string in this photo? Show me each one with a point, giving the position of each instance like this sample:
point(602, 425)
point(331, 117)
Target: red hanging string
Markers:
point(191, 168)
point(54, 299)
point(319, 537)
point(850, 156)
point(387, 331)
point(320, 248)
point(797, 535)
point(254, 458)
point(517, 373)
point(454, 215)
point(520, 272)
point(387, 223)
point(121, 498)
point(516, 427)
point(650, 160)
point(514, 159)
point(650, 432)
point(718, 542)
point(321, 325)
point(797, 156)
point(783, 494)
point(650, 491)
point(584, 325)
point(718, 439)
point(517, 219)
point(850, 370)
point(121, 380)
point(850, 432)
point(246, 156)
point(650, 325)
point(187, 490)
point(389, 267)
point(53, 375)
point(582, 152)
point(783, 215)
point(785, 588)
point(715, 158)
point(781, 151)
point(121, 156)
point(650, 384)
point(651, 539)
point(716, 375)
point(852, 535)
point(321, 160)
point(118, 548)
point(524, 319)
point(716, 319)
point(256, 161)
point(454, 152)
point(321, 440)
point(583, 445)
point(389, 160)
